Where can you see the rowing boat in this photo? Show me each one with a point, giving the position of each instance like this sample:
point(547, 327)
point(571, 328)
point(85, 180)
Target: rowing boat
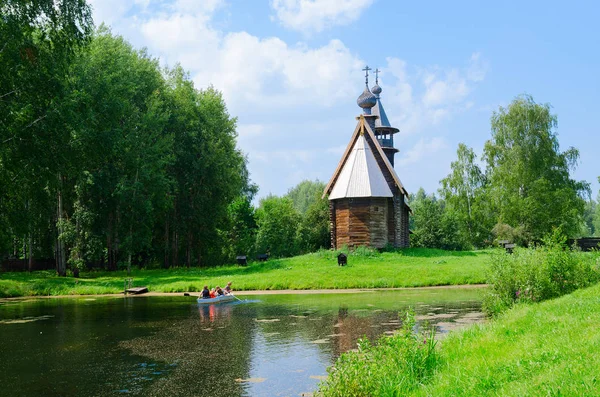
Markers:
point(217, 299)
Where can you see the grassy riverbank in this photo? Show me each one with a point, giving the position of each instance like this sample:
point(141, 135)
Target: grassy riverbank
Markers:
point(545, 349)
point(414, 267)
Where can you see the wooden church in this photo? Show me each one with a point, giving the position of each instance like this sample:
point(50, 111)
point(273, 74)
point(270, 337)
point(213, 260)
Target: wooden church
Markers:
point(367, 201)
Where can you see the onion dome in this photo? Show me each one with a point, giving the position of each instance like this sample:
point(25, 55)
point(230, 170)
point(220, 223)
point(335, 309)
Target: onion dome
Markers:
point(376, 89)
point(367, 100)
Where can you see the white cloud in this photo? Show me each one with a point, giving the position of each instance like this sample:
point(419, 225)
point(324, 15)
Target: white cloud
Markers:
point(250, 130)
point(422, 149)
point(262, 72)
point(109, 11)
point(478, 67)
point(206, 7)
point(317, 15)
point(295, 103)
point(429, 95)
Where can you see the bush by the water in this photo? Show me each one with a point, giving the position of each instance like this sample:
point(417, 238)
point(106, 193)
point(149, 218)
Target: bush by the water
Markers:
point(393, 366)
point(537, 274)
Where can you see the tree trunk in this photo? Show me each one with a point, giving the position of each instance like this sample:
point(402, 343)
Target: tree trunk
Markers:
point(24, 250)
point(175, 249)
point(130, 249)
point(61, 263)
point(112, 265)
point(137, 173)
point(30, 252)
point(188, 252)
point(166, 263)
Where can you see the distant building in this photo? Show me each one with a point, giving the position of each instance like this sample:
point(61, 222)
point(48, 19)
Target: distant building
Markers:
point(367, 201)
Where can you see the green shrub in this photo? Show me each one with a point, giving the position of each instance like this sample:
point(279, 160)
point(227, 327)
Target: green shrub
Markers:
point(393, 366)
point(537, 274)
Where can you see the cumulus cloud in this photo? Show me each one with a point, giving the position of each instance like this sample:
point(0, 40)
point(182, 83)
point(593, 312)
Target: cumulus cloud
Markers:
point(423, 148)
point(419, 97)
point(295, 102)
point(316, 15)
point(262, 72)
point(109, 11)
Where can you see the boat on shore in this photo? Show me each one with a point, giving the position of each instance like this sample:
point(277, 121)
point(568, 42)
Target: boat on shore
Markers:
point(217, 299)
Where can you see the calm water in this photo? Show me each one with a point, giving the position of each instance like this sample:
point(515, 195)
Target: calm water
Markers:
point(271, 345)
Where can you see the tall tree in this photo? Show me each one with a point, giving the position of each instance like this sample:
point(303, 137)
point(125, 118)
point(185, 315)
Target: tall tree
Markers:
point(118, 106)
point(530, 184)
point(278, 222)
point(38, 40)
point(596, 221)
point(314, 229)
point(209, 172)
point(432, 225)
point(305, 194)
point(463, 191)
point(588, 227)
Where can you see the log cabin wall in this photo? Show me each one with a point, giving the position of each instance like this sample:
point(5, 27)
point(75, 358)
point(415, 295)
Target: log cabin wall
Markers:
point(391, 221)
point(332, 223)
point(397, 220)
point(401, 222)
point(378, 225)
point(361, 221)
point(405, 232)
point(342, 222)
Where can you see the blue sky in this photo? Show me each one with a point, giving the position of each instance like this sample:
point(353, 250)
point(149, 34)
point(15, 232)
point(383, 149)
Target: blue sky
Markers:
point(290, 71)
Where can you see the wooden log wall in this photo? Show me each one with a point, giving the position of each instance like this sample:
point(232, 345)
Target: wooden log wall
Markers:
point(342, 223)
point(361, 221)
point(391, 221)
point(378, 225)
point(332, 224)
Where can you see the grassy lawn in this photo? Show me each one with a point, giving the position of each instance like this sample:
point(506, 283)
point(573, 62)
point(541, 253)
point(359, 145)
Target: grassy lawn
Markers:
point(540, 349)
point(412, 267)
point(546, 349)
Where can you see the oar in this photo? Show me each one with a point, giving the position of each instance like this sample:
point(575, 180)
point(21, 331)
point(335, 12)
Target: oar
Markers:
point(237, 298)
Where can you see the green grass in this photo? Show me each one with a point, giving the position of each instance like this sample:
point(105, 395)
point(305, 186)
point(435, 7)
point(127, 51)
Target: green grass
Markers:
point(547, 349)
point(542, 349)
point(414, 267)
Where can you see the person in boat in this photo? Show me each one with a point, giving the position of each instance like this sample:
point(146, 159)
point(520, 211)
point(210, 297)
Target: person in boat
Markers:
point(228, 288)
point(205, 292)
point(219, 291)
point(213, 293)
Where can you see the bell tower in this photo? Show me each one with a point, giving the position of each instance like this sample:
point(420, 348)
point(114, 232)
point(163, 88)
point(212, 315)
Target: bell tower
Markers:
point(383, 129)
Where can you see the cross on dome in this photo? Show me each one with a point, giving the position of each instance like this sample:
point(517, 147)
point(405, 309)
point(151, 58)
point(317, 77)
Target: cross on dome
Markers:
point(366, 70)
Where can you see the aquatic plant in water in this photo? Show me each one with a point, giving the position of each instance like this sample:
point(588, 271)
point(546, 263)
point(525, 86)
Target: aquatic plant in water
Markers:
point(393, 365)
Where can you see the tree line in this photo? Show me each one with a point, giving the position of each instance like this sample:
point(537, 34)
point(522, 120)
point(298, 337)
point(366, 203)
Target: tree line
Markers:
point(108, 159)
point(520, 191)
point(105, 157)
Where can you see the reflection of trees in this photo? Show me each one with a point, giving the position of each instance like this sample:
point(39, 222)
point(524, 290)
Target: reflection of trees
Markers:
point(210, 347)
point(210, 351)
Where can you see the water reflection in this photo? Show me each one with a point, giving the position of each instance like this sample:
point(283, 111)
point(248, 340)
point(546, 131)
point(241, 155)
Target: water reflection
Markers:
point(271, 346)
